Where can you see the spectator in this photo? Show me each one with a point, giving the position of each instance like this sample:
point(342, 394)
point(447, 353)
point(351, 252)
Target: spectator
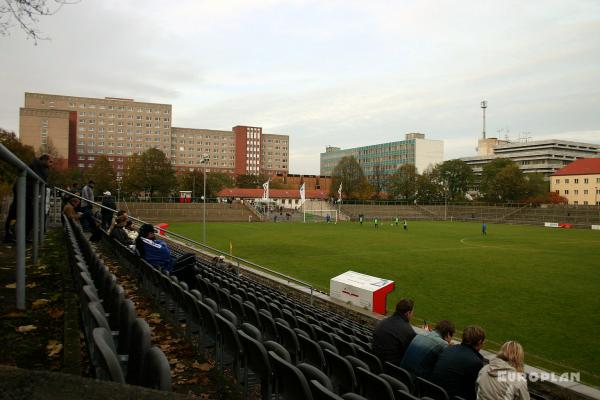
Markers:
point(130, 230)
point(118, 231)
point(86, 206)
point(393, 335)
point(74, 188)
point(108, 201)
point(40, 166)
point(70, 209)
point(422, 353)
point(457, 367)
point(158, 254)
point(503, 377)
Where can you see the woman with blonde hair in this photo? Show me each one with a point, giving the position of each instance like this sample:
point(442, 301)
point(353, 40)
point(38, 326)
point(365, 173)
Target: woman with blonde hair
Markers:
point(503, 377)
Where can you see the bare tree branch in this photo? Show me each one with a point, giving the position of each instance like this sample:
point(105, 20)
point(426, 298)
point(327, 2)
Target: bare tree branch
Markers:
point(26, 15)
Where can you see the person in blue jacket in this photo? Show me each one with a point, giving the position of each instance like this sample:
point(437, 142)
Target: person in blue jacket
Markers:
point(153, 250)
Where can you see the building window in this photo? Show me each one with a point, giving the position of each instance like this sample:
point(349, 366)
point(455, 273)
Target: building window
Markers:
point(576, 191)
point(585, 203)
point(576, 180)
point(585, 191)
point(566, 192)
point(566, 181)
point(585, 180)
point(557, 181)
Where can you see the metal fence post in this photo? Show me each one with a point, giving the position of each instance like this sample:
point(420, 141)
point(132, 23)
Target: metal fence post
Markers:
point(36, 221)
point(20, 236)
point(42, 230)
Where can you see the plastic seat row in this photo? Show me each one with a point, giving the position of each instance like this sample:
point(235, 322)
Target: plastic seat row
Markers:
point(119, 343)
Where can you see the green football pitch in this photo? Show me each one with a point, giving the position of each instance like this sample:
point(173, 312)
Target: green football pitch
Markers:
point(537, 285)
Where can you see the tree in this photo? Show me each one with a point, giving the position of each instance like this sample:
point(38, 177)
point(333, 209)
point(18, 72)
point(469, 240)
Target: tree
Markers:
point(457, 175)
point(25, 154)
point(403, 183)
point(502, 180)
point(536, 185)
point(194, 181)
point(149, 172)
point(26, 14)
point(430, 188)
point(103, 175)
point(250, 181)
point(379, 181)
point(349, 173)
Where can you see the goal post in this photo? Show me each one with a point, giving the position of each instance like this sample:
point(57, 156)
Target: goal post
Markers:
point(320, 215)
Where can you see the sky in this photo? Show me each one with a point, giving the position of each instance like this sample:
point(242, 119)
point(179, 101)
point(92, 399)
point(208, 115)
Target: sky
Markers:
point(340, 73)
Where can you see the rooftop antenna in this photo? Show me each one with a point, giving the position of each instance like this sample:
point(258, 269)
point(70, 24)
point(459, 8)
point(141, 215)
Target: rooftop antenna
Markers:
point(524, 137)
point(483, 107)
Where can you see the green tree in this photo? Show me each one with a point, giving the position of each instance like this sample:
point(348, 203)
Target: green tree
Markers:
point(104, 176)
point(430, 188)
point(488, 177)
point(403, 183)
point(25, 153)
point(503, 181)
point(458, 176)
point(149, 172)
point(536, 185)
point(349, 173)
point(250, 181)
point(194, 181)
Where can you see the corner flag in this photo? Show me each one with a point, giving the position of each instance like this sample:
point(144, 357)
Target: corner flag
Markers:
point(302, 194)
point(266, 189)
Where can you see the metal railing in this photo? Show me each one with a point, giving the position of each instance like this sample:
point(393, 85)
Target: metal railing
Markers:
point(187, 243)
point(37, 207)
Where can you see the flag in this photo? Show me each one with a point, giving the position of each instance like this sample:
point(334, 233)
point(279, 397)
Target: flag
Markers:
point(230, 248)
point(266, 189)
point(302, 194)
point(340, 192)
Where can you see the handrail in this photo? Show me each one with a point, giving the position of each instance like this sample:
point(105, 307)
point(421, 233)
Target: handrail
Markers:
point(36, 208)
point(209, 248)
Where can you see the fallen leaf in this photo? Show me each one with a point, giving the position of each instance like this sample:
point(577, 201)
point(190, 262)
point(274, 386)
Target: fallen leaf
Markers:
point(54, 348)
point(173, 361)
point(26, 328)
point(154, 315)
point(11, 286)
point(39, 303)
point(31, 285)
point(14, 314)
point(202, 367)
point(56, 313)
point(180, 366)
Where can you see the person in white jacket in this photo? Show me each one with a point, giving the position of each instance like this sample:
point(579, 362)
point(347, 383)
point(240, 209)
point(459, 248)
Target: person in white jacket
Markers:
point(503, 377)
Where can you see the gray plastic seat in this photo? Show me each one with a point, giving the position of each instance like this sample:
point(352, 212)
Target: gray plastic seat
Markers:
point(156, 372)
point(290, 383)
point(108, 366)
point(373, 387)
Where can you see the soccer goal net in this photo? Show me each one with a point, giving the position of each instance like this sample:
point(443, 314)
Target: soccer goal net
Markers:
point(321, 216)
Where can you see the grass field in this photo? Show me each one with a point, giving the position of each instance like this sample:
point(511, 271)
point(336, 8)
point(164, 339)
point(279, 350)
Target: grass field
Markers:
point(537, 285)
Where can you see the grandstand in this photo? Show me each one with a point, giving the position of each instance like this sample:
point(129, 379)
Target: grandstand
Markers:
point(174, 212)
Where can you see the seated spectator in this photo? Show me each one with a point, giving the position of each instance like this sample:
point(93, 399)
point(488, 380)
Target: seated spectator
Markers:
point(130, 229)
point(393, 335)
point(422, 353)
point(457, 367)
point(118, 232)
point(70, 209)
point(503, 377)
point(158, 254)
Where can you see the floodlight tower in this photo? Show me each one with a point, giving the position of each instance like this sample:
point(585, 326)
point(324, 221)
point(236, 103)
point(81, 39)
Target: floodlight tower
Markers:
point(483, 107)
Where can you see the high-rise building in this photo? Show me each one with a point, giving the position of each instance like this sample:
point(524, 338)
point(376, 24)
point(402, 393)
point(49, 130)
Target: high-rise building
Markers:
point(384, 159)
point(79, 129)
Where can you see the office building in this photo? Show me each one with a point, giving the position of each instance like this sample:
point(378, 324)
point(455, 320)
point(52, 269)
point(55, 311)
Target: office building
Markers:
point(384, 159)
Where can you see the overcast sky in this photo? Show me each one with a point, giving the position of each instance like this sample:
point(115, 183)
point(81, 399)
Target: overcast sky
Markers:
point(342, 73)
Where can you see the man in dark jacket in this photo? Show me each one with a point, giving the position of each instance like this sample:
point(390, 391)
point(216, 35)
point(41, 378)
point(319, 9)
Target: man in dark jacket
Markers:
point(40, 166)
point(457, 367)
point(393, 335)
point(108, 200)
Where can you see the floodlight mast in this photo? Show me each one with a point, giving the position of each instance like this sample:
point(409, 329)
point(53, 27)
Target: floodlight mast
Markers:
point(483, 107)
point(204, 161)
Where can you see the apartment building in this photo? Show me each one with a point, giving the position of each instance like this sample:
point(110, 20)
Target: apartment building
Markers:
point(79, 129)
point(384, 159)
point(578, 182)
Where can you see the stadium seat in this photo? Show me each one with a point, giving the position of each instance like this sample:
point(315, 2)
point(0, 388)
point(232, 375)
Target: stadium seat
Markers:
point(229, 344)
point(429, 389)
point(252, 331)
point(156, 372)
point(401, 374)
point(290, 383)
point(371, 359)
point(289, 340)
point(356, 363)
point(275, 347)
point(140, 343)
point(269, 329)
point(311, 372)
point(340, 372)
point(127, 317)
point(372, 386)
point(400, 395)
point(311, 352)
point(320, 392)
point(209, 324)
point(396, 384)
point(108, 363)
point(256, 360)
